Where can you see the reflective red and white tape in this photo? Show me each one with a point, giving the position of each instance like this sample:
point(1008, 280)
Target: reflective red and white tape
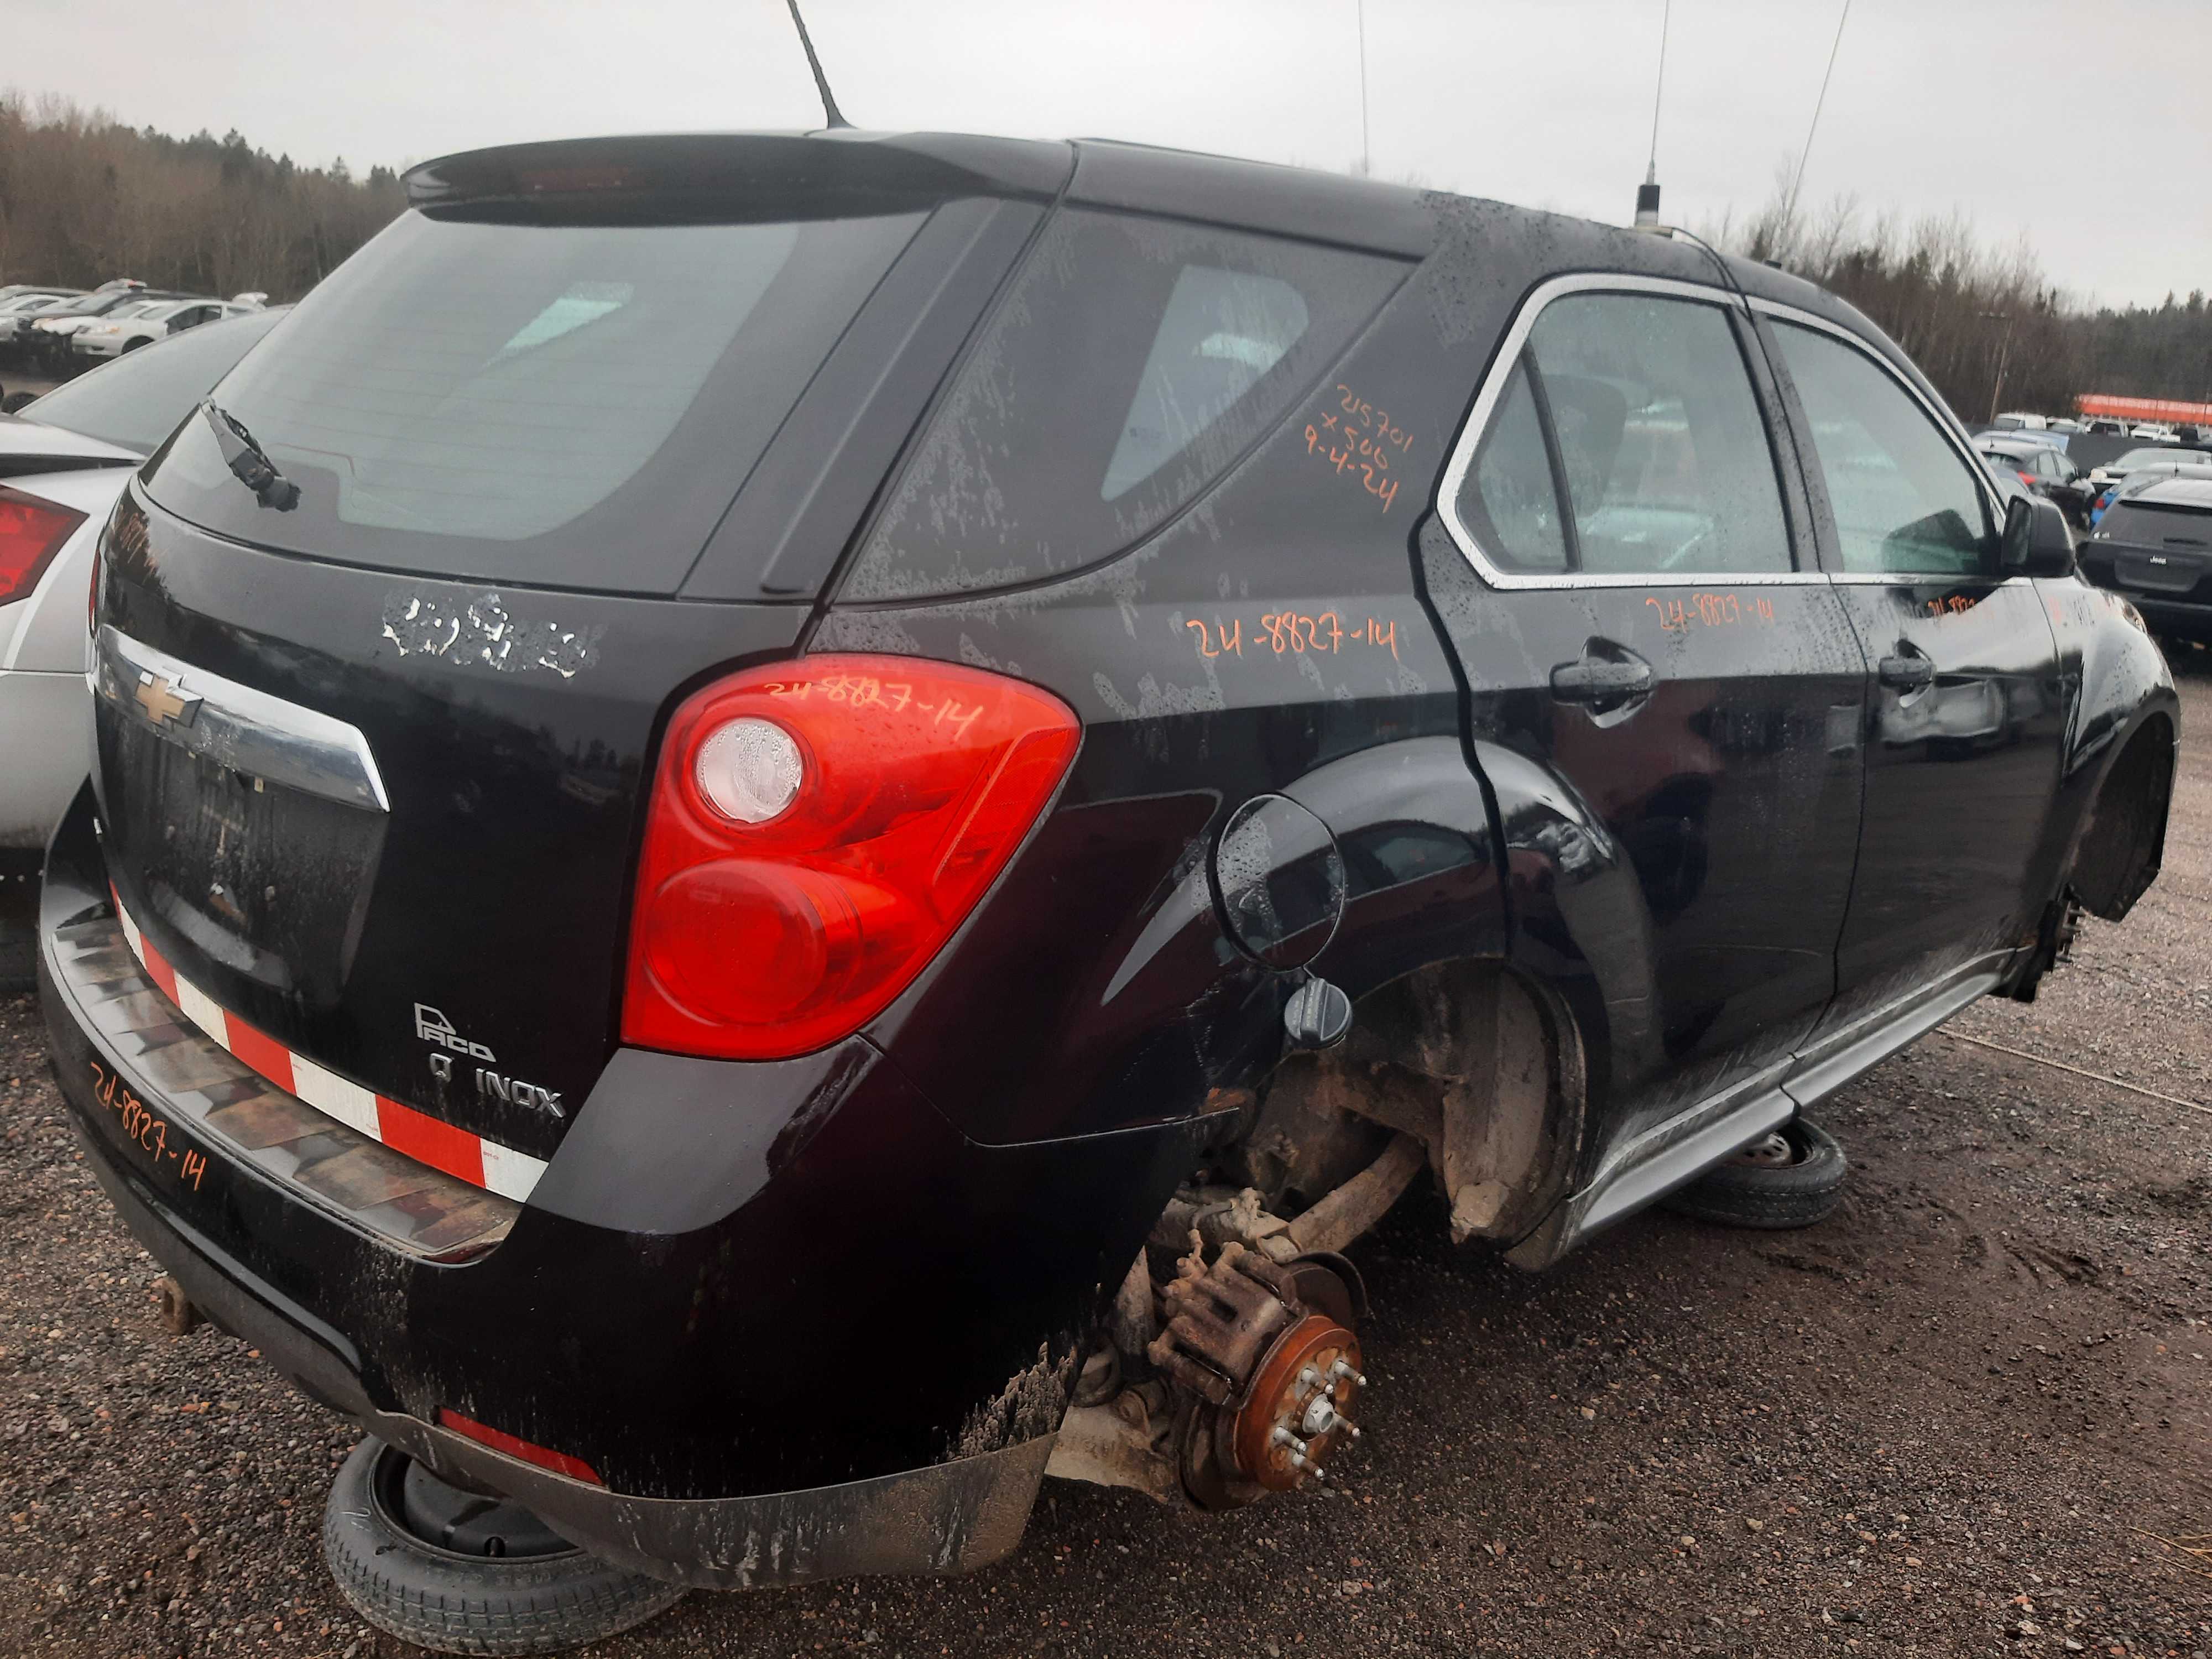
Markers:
point(427, 1139)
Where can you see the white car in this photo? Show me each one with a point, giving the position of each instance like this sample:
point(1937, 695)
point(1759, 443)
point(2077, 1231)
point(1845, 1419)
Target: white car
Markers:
point(18, 310)
point(65, 460)
point(128, 327)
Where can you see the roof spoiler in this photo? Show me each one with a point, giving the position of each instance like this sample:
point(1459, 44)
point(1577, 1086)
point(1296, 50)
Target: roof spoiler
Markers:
point(732, 177)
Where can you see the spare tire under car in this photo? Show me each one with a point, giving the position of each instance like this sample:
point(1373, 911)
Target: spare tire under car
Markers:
point(455, 1572)
point(1790, 1178)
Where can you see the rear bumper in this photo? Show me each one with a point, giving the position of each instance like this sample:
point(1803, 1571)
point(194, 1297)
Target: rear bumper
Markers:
point(952, 1517)
point(798, 1326)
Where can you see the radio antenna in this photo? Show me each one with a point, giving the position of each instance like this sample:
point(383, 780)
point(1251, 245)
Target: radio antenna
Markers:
point(831, 116)
point(1790, 209)
point(1647, 194)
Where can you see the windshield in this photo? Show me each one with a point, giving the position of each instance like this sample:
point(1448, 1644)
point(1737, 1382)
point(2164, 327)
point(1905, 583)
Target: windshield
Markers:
point(574, 406)
point(136, 400)
point(2160, 457)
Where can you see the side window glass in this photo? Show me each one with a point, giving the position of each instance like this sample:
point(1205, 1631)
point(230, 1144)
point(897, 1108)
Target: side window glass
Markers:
point(1655, 440)
point(1904, 502)
point(1132, 362)
point(1508, 501)
point(1222, 330)
point(1666, 454)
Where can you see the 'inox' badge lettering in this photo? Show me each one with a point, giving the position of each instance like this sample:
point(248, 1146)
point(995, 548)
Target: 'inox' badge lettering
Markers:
point(432, 1026)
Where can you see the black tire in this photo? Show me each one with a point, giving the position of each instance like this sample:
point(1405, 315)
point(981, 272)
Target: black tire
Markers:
point(1745, 1193)
point(546, 1596)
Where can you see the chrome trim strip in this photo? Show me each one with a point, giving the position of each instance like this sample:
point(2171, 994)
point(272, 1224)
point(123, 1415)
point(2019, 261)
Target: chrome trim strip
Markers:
point(1485, 402)
point(1686, 1147)
point(237, 726)
point(1823, 1070)
point(1683, 1147)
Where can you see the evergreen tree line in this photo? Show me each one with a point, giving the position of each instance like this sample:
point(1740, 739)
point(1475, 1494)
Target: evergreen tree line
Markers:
point(1961, 309)
point(84, 198)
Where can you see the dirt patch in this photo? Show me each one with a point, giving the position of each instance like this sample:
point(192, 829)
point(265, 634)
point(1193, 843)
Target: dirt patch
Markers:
point(1947, 1420)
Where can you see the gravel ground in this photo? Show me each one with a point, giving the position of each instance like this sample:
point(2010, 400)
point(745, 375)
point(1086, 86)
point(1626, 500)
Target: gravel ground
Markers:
point(1958, 1417)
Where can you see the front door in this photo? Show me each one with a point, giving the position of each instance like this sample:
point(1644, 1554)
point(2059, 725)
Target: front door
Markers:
point(1965, 730)
point(1647, 633)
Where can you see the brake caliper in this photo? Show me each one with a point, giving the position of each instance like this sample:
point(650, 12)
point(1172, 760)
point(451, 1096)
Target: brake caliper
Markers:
point(1275, 1377)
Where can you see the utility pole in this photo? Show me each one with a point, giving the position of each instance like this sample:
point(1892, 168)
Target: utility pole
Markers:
point(2004, 353)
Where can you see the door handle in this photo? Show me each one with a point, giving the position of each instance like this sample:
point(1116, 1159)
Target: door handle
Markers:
point(1596, 680)
point(1908, 673)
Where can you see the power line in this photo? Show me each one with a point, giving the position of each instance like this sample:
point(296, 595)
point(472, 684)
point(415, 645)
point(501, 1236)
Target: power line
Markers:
point(1789, 213)
point(1366, 163)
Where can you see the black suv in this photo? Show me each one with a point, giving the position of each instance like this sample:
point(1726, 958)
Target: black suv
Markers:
point(786, 824)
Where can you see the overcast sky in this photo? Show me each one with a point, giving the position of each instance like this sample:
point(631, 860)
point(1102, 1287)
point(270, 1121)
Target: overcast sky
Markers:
point(2087, 128)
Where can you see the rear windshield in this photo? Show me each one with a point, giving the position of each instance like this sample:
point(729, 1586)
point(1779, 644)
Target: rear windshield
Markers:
point(2161, 457)
point(1132, 363)
point(566, 405)
point(137, 400)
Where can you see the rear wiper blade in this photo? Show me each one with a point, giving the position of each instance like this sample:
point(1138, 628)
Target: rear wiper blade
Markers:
point(248, 462)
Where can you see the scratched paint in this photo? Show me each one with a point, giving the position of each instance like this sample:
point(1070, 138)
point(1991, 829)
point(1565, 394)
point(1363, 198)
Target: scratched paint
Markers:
point(482, 631)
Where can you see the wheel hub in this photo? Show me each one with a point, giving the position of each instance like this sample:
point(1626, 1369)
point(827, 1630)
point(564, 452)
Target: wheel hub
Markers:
point(1297, 1410)
point(442, 1517)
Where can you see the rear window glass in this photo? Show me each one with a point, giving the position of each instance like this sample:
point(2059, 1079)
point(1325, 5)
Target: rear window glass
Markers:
point(569, 405)
point(1130, 365)
point(137, 400)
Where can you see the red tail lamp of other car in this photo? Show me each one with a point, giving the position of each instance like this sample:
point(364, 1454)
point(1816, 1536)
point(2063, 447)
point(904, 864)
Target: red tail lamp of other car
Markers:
point(32, 531)
point(817, 830)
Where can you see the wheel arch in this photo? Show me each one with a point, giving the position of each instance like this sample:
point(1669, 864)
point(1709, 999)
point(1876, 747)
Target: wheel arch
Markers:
point(2121, 842)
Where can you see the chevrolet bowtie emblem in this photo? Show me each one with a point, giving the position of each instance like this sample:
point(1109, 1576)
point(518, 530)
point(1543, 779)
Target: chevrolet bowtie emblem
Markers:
point(165, 700)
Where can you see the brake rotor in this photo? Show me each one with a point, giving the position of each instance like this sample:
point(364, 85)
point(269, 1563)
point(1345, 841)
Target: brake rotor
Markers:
point(1298, 1409)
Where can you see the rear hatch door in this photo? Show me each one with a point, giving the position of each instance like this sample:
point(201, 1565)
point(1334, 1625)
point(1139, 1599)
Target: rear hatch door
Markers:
point(587, 425)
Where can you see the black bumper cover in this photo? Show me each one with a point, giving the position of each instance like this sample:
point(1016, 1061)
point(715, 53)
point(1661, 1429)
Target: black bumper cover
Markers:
point(800, 1326)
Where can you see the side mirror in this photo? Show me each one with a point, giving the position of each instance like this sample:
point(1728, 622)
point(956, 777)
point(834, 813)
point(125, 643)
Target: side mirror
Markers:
point(2036, 540)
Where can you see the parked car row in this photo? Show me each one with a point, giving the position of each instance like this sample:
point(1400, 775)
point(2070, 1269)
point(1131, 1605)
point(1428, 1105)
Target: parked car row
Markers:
point(2106, 481)
point(2043, 468)
point(56, 331)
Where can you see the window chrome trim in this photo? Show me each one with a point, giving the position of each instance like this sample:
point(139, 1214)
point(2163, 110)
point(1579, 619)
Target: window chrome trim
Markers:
point(1493, 390)
point(237, 726)
point(1944, 421)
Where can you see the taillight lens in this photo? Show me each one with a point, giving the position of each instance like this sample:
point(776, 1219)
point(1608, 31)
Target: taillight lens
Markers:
point(2028, 478)
point(817, 830)
point(32, 531)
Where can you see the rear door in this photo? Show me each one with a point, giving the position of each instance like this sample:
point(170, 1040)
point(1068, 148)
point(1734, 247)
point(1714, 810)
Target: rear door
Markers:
point(1662, 641)
point(1965, 732)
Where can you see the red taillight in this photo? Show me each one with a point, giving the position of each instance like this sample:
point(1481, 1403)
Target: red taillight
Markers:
point(560, 1462)
point(2028, 478)
point(32, 531)
point(851, 812)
